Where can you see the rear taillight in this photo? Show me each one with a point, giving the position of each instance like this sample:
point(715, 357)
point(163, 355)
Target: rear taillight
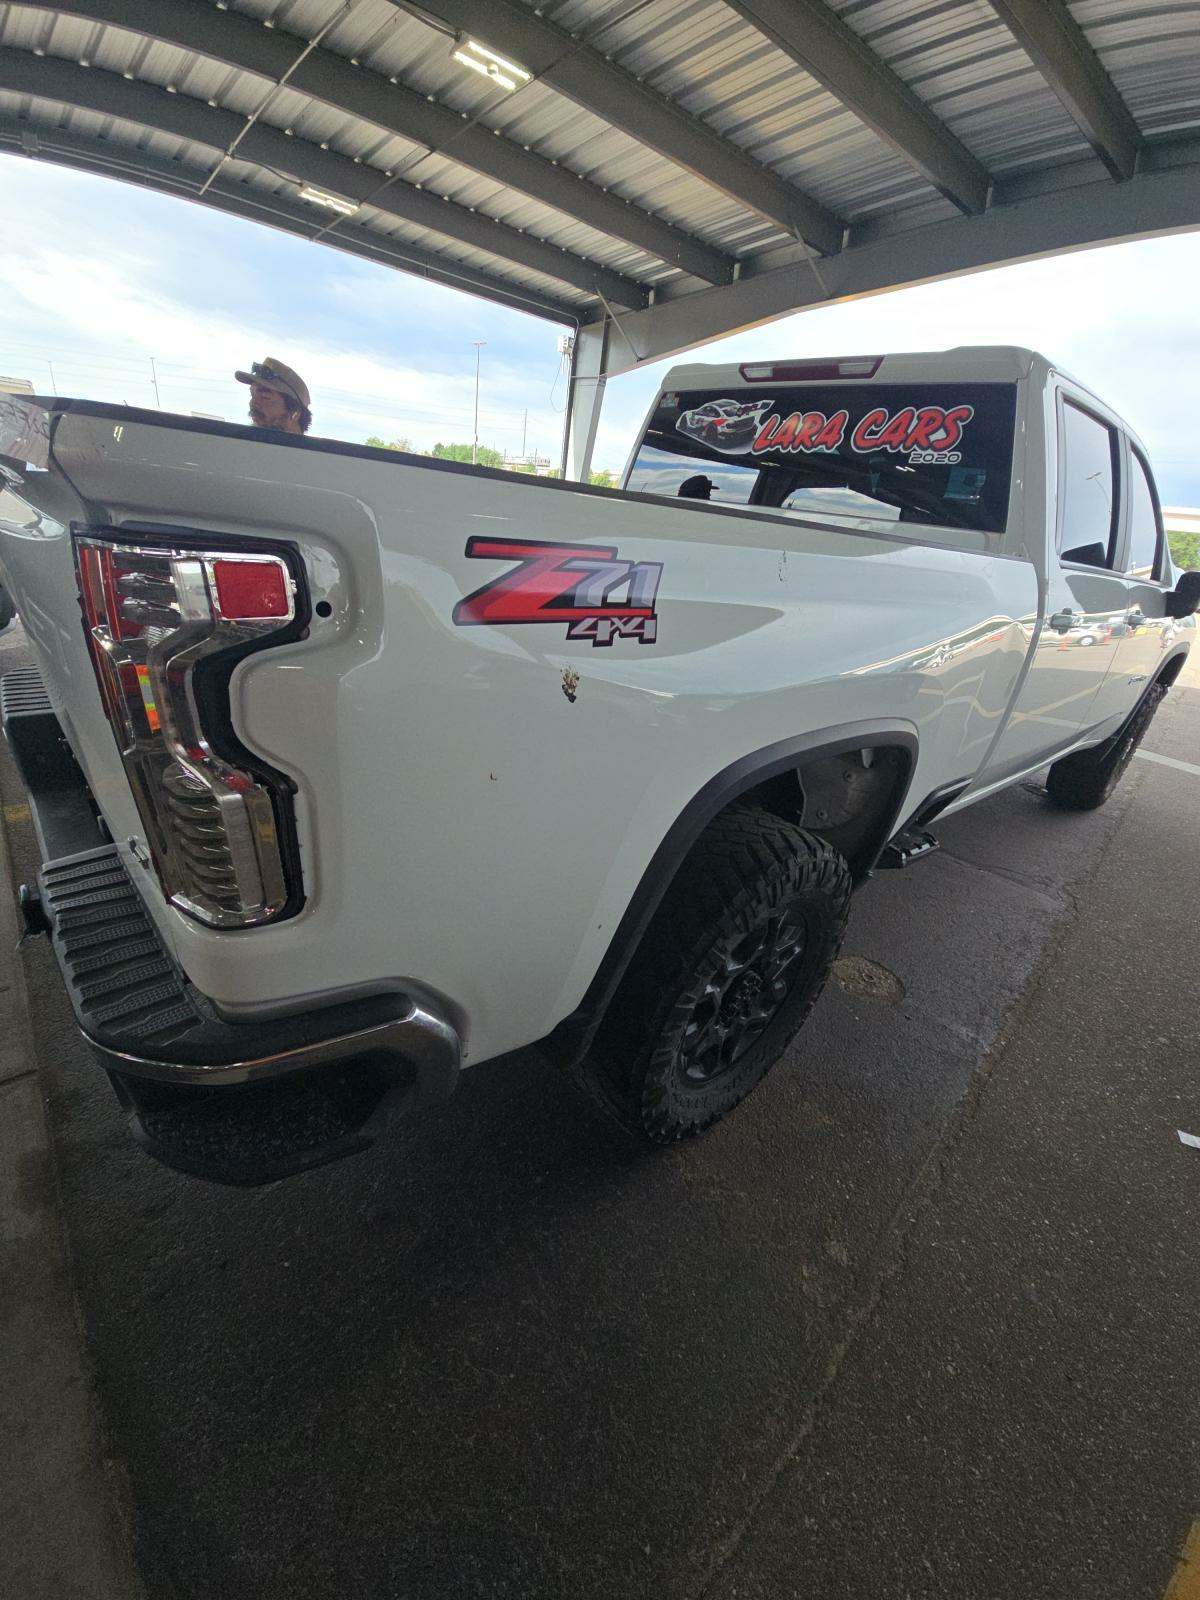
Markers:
point(165, 627)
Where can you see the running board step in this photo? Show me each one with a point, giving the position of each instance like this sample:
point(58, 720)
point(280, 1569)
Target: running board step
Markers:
point(912, 845)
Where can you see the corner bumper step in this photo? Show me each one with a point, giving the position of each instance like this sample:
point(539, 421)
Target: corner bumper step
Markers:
point(241, 1103)
point(237, 1102)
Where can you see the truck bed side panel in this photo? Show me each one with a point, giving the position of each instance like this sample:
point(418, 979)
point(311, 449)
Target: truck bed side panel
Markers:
point(476, 803)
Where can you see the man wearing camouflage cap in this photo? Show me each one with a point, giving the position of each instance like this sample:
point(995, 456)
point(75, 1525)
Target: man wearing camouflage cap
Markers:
point(279, 397)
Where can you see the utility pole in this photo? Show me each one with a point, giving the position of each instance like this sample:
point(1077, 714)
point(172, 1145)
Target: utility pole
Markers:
point(524, 427)
point(53, 384)
point(479, 344)
point(154, 380)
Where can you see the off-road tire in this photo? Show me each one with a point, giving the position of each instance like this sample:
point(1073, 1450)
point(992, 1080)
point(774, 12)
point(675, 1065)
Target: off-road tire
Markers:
point(1085, 780)
point(751, 877)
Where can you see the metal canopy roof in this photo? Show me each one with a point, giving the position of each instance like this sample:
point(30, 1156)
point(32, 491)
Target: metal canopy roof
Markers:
point(670, 170)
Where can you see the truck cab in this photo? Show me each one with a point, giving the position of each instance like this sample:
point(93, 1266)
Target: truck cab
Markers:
point(981, 448)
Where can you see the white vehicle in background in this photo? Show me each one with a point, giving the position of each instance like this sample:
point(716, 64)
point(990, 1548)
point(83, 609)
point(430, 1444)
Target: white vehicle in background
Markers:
point(352, 768)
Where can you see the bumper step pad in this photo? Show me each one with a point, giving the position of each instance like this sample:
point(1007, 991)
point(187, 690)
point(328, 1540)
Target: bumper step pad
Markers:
point(126, 991)
point(23, 694)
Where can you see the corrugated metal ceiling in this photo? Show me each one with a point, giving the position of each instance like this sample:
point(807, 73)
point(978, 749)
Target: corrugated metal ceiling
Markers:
point(963, 64)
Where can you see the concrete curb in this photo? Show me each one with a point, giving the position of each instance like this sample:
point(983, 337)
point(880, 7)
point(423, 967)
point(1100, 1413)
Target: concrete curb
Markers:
point(65, 1537)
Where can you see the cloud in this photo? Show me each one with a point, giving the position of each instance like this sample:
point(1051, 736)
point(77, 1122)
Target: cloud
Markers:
point(203, 294)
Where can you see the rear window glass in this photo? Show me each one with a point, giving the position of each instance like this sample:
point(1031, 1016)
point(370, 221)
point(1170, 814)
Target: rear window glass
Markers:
point(860, 454)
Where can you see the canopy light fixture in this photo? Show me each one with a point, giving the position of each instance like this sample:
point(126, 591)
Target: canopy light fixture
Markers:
point(330, 202)
point(504, 73)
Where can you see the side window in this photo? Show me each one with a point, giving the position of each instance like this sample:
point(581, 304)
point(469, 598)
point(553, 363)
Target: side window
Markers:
point(1145, 525)
point(664, 472)
point(1088, 498)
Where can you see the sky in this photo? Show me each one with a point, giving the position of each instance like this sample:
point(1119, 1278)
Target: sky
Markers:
point(99, 278)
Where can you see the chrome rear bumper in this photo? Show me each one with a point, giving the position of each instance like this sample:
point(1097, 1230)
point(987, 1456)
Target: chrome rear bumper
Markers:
point(417, 1038)
point(239, 1102)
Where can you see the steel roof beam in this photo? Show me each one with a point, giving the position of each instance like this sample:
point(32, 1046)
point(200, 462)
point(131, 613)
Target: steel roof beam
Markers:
point(105, 93)
point(1072, 215)
point(244, 44)
point(19, 137)
point(584, 75)
point(1059, 49)
point(818, 40)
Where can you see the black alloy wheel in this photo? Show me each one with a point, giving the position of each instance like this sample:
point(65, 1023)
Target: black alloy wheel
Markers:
point(742, 997)
point(731, 964)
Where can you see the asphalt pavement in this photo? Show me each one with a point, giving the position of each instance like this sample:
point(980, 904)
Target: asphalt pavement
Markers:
point(919, 1320)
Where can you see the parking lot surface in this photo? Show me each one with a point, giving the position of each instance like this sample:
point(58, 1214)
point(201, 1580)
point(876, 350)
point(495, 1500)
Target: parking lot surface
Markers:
point(919, 1320)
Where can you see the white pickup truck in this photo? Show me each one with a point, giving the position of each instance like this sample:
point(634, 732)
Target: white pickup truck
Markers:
point(351, 768)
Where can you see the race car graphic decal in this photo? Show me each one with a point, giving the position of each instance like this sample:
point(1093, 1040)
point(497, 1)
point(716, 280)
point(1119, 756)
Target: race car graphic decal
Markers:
point(599, 596)
point(725, 425)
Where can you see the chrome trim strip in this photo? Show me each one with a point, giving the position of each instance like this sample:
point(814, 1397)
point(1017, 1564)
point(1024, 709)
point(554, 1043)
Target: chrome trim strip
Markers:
point(419, 1038)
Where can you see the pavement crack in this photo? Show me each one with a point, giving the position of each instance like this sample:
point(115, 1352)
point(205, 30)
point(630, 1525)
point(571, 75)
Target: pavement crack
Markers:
point(1024, 880)
point(892, 1238)
point(889, 1261)
point(17, 1077)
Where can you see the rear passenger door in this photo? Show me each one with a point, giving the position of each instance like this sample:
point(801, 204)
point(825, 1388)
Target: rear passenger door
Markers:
point(1093, 487)
point(1147, 630)
point(1065, 689)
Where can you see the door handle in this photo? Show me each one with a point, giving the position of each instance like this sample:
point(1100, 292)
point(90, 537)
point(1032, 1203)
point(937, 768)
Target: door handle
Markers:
point(1063, 621)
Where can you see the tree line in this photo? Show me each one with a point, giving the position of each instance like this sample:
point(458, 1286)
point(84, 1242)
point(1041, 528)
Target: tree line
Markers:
point(485, 456)
point(1185, 550)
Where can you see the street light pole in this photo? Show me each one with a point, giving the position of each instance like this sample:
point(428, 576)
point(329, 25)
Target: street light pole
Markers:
point(479, 344)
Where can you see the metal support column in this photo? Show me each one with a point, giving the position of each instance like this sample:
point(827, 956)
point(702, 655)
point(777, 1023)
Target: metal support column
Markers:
point(585, 398)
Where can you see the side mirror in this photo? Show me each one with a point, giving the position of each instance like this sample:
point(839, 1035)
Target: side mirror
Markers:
point(1185, 596)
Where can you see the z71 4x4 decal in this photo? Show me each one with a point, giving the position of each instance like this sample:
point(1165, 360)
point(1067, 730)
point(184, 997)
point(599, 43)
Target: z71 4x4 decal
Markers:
point(598, 596)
